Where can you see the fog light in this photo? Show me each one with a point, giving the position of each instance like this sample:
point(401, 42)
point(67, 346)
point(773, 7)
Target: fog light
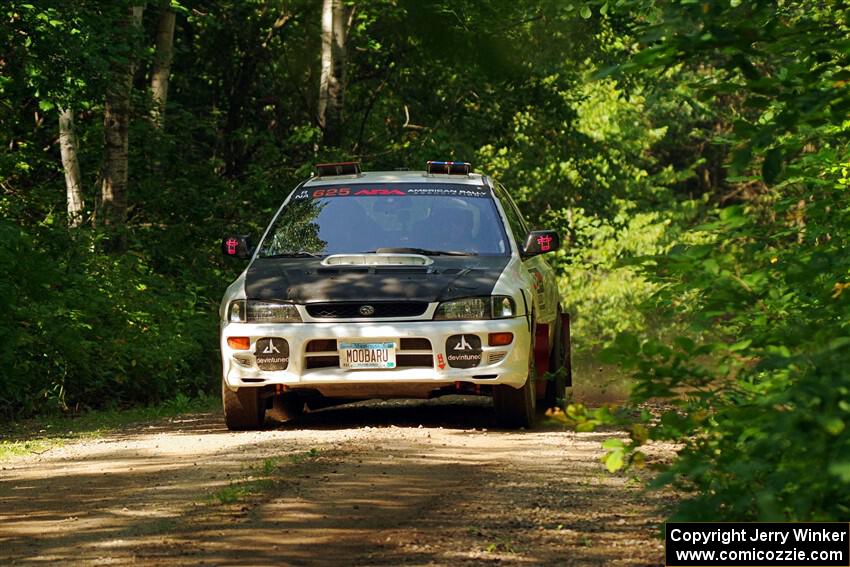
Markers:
point(239, 343)
point(500, 339)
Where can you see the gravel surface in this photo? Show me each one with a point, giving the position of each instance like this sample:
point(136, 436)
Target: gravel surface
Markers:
point(377, 483)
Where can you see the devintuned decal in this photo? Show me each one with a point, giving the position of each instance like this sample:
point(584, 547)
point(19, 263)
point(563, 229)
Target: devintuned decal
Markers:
point(392, 190)
point(272, 354)
point(463, 351)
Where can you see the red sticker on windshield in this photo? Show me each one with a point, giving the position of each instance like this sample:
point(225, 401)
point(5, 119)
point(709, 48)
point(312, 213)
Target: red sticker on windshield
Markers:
point(379, 192)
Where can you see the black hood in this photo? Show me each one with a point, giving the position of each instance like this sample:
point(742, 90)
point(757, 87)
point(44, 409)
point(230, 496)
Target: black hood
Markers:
point(306, 280)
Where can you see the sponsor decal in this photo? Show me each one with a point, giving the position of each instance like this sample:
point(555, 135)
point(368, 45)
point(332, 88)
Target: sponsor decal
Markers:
point(545, 243)
point(332, 192)
point(463, 351)
point(446, 191)
point(379, 192)
point(539, 285)
point(441, 362)
point(231, 244)
point(272, 353)
point(398, 190)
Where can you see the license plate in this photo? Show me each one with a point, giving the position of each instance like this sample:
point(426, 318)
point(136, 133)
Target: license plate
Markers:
point(358, 355)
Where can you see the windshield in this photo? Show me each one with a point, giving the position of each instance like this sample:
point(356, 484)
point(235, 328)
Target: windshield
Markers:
point(410, 218)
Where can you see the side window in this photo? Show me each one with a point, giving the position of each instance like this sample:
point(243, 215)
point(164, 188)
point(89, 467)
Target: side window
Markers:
point(518, 228)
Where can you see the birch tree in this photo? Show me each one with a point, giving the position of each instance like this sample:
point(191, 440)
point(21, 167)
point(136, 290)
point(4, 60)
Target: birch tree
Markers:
point(161, 70)
point(335, 22)
point(71, 166)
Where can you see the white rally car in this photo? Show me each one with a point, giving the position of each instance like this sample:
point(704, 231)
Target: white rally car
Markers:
point(394, 284)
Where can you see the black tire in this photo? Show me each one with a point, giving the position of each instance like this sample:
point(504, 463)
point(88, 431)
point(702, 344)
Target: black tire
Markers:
point(286, 407)
point(244, 409)
point(557, 389)
point(517, 407)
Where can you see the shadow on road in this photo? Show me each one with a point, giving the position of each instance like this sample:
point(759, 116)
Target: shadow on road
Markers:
point(361, 484)
point(450, 412)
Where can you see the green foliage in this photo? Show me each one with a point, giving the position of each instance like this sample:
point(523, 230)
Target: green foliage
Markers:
point(81, 330)
point(693, 154)
point(600, 288)
point(240, 132)
point(755, 377)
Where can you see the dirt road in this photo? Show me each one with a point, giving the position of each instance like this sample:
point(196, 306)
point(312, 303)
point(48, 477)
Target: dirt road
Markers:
point(384, 483)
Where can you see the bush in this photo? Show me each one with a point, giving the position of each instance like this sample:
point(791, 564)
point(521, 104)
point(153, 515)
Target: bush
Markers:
point(758, 387)
point(80, 329)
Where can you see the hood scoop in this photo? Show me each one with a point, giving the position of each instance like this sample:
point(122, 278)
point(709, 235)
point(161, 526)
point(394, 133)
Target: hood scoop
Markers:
point(347, 260)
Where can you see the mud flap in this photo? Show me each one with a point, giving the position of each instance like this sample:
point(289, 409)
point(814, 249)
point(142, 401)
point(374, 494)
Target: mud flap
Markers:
point(565, 337)
point(541, 357)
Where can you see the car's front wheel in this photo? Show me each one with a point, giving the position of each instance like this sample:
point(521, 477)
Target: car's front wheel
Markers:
point(516, 407)
point(244, 408)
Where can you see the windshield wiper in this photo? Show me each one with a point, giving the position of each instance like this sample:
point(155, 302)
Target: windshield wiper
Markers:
point(298, 254)
point(422, 251)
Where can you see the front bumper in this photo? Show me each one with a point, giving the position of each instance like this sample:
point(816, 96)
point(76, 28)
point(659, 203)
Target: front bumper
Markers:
point(498, 365)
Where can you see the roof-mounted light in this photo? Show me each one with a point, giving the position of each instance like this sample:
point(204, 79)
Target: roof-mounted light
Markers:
point(335, 169)
point(448, 168)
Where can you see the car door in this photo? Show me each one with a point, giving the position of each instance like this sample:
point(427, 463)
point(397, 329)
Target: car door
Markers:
point(541, 276)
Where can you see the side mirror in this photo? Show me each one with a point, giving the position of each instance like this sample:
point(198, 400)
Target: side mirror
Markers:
point(541, 242)
point(236, 246)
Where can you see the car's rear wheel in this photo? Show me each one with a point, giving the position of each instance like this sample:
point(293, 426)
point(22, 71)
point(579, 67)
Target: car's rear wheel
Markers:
point(516, 407)
point(244, 408)
point(286, 407)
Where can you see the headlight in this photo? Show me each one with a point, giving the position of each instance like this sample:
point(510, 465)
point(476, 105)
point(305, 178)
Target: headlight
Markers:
point(269, 312)
point(503, 306)
point(236, 311)
point(242, 311)
point(471, 308)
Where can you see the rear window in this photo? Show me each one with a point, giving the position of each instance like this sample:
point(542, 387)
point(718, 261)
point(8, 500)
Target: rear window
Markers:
point(416, 218)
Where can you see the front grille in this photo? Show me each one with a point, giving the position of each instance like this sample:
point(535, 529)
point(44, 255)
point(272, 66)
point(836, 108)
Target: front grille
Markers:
point(322, 345)
point(351, 310)
point(323, 361)
point(415, 344)
point(414, 361)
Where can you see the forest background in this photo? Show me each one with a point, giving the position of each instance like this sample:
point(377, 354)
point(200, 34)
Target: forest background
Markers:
point(694, 155)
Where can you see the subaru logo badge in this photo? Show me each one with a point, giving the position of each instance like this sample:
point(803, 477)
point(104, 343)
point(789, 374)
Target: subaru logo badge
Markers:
point(367, 310)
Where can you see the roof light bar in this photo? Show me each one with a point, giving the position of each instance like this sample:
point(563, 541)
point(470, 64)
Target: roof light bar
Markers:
point(341, 168)
point(448, 168)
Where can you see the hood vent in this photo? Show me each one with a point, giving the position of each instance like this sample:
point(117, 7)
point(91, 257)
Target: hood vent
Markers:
point(377, 260)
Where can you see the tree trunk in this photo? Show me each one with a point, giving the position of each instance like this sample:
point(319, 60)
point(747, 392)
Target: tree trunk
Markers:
point(332, 81)
point(116, 120)
point(71, 165)
point(162, 63)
